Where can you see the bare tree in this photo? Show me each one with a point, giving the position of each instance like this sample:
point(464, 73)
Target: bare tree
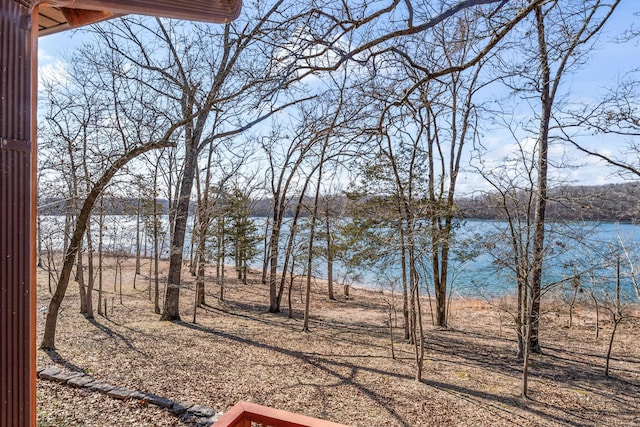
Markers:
point(48, 340)
point(207, 199)
point(359, 32)
point(445, 111)
point(556, 54)
point(206, 94)
point(107, 124)
point(615, 114)
point(333, 137)
point(284, 166)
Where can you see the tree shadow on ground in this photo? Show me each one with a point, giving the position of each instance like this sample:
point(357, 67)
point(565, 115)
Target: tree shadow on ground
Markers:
point(111, 333)
point(59, 360)
point(316, 361)
point(555, 375)
point(345, 373)
point(557, 366)
point(338, 330)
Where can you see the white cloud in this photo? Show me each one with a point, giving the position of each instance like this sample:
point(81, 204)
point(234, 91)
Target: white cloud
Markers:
point(54, 71)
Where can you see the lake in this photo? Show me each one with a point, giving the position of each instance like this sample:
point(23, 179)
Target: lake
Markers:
point(480, 262)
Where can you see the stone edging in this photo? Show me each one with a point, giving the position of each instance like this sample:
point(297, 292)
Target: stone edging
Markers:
point(200, 415)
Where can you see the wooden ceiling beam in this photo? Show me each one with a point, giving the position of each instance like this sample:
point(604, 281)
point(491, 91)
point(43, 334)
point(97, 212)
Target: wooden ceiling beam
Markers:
point(79, 17)
point(217, 11)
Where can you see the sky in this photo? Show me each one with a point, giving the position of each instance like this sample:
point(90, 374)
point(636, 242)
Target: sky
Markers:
point(608, 63)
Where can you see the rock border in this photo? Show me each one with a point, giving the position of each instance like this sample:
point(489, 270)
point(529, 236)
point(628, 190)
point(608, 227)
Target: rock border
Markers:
point(202, 416)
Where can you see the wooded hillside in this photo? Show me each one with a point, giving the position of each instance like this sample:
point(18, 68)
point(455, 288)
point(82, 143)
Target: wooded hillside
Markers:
point(611, 202)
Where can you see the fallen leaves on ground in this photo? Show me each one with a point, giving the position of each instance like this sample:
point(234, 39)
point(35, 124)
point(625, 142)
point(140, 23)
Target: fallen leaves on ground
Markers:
point(341, 370)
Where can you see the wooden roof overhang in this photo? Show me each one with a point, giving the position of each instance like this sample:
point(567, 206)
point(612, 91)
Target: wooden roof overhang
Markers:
point(60, 15)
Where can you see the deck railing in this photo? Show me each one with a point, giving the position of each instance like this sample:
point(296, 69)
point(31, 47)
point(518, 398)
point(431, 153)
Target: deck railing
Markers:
point(243, 414)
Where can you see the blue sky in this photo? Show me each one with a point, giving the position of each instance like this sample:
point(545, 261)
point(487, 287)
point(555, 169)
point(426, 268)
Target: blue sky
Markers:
point(609, 62)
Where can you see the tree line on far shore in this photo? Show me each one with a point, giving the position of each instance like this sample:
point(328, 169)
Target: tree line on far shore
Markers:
point(606, 203)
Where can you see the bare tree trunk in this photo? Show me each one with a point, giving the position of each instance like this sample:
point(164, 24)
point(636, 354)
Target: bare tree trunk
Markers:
point(312, 232)
point(405, 293)
point(171, 310)
point(329, 250)
point(525, 363)
point(115, 272)
point(245, 270)
point(548, 86)
point(266, 254)
point(119, 269)
point(100, 254)
point(68, 221)
point(616, 321)
point(541, 192)
point(418, 331)
point(88, 305)
point(39, 238)
point(200, 282)
point(204, 221)
point(293, 230)
point(522, 316)
point(405, 209)
point(222, 256)
point(80, 280)
point(51, 265)
point(290, 287)
point(156, 245)
point(193, 254)
point(138, 245)
point(150, 278)
point(438, 264)
point(616, 314)
point(390, 319)
point(307, 303)
point(279, 205)
point(314, 217)
point(274, 306)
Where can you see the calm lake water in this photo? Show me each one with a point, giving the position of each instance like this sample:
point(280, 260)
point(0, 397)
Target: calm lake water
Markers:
point(583, 254)
point(480, 264)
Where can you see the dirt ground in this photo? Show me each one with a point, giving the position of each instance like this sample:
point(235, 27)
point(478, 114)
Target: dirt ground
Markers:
point(342, 370)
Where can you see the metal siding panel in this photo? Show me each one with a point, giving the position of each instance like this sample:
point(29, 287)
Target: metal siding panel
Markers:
point(15, 275)
point(4, 296)
point(17, 347)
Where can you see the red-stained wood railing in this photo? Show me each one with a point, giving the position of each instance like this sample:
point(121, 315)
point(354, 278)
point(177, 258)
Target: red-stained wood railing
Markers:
point(244, 413)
